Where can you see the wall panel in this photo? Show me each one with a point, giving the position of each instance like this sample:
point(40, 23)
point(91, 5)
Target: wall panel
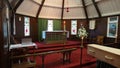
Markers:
point(20, 28)
point(101, 29)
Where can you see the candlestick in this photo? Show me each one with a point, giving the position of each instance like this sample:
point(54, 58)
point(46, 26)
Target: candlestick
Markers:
point(64, 25)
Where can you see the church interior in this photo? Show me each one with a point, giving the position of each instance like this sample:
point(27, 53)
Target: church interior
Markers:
point(59, 34)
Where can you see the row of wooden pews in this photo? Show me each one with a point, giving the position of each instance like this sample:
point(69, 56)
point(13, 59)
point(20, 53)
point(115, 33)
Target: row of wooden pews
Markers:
point(42, 51)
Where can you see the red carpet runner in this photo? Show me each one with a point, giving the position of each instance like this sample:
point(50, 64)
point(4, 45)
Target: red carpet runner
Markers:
point(55, 60)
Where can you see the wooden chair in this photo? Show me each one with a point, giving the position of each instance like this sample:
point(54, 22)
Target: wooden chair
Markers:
point(99, 40)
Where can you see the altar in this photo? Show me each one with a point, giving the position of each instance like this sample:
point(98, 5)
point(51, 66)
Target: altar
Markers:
point(56, 36)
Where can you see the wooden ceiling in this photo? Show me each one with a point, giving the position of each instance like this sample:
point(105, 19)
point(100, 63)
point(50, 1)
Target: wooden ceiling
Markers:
point(56, 9)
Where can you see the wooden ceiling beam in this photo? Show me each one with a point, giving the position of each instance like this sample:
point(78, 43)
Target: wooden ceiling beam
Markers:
point(1, 5)
point(13, 3)
point(85, 10)
point(40, 7)
point(17, 5)
point(9, 5)
point(62, 10)
point(97, 9)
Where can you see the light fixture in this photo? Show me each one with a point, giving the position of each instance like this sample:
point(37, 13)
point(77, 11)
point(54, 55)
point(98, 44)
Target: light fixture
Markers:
point(67, 9)
point(19, 18)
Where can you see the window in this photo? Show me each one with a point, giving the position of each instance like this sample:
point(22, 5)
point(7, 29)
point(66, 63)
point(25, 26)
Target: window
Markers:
point(112, 27)
point(26, 26)
point(73, 27)
point(50, 25)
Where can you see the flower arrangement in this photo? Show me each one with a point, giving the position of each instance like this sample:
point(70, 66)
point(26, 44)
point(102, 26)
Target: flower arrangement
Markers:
point(82, 32)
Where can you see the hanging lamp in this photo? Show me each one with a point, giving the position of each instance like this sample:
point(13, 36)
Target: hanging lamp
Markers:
point(67, 9)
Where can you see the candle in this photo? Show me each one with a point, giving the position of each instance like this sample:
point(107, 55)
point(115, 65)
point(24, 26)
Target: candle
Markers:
point(64, 24)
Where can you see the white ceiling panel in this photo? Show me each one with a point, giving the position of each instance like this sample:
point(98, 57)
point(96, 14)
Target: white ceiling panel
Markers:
point(38, 1)
point(91, 11)
point(72, 3)
point(57, 3)
point(74, 13)
point(49, 12)
point(28, 8)
point(53, 8)
point(111, 7)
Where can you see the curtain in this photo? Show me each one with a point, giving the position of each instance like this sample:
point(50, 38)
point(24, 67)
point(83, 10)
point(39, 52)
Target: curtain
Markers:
point(56, 24)
point(42, 26)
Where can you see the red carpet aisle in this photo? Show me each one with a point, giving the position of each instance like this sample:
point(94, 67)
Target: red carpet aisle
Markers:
point(55, 60)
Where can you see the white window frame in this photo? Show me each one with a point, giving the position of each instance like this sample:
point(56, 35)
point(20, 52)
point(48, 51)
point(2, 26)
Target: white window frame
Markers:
point(26, 26)
point(110, 30)
point(73, 27)
point(50, 25)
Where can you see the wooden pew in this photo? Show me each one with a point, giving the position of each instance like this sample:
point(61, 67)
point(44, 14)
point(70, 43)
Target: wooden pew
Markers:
point(66, 56)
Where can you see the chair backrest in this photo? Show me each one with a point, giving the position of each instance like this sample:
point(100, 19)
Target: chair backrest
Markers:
point(26, 41)
point(100, 39)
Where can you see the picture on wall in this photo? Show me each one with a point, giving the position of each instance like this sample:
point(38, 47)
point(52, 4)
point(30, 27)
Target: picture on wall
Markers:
point(92, 24)
point(112, 27)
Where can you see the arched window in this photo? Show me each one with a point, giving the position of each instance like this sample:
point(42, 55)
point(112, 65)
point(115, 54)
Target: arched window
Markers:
point(50, 25)
point(26, 26)
point(73, 27)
